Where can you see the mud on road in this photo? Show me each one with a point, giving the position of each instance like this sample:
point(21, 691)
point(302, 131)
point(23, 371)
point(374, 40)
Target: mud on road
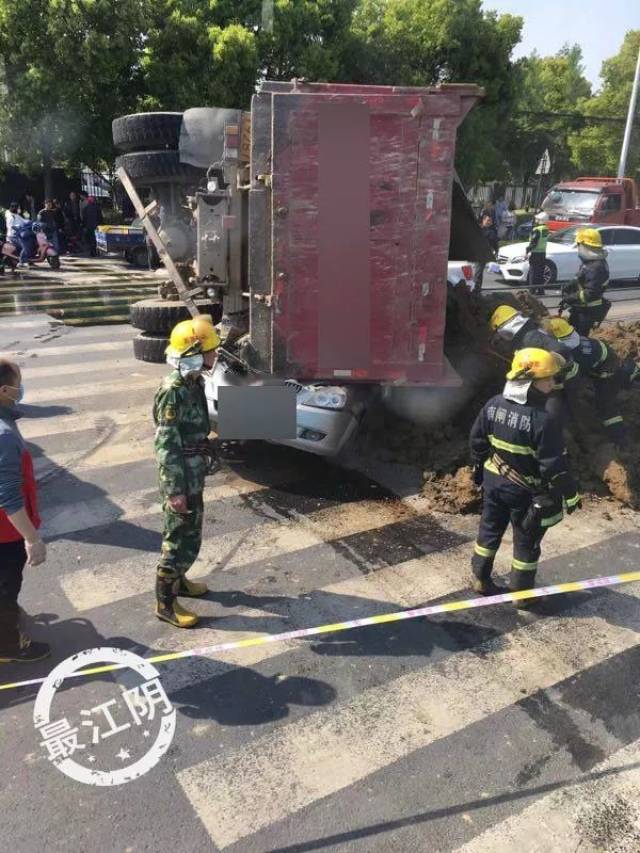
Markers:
point(434, 437)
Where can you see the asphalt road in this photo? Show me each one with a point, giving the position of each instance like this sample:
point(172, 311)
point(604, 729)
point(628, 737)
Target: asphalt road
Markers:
point(487, 730)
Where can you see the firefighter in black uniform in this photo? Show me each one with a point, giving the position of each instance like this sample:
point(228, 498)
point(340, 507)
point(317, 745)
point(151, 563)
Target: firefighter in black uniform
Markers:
point(521, 332)
point(584, 296)
point(519, 458)
point(608, 374)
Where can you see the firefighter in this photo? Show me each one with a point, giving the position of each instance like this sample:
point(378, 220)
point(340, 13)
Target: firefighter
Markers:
point(519, 459)
point(537, 253)
point(184, 457)
point(584, 296)
point(608, 374)
point(520, 332)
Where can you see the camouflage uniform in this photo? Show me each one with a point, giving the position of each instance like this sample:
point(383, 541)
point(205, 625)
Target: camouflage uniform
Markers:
point(182, 426)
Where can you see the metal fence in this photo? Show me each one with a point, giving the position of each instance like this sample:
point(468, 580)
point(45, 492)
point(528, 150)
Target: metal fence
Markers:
point(522, 195)
point(95, 184)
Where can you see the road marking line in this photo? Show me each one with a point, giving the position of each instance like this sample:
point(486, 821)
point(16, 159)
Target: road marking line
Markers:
point(80, 346)
point(551, 823)
point(42, 396)
point(123, 365)
point(34, 428)
point(266, 541)
point(270, 779)
point(386, 618)
point(71, 518)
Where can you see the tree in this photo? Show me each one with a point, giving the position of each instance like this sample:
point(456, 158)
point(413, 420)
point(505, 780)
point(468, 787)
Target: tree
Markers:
point(213, 54)
point(546, 86)
point(414, 43)
point(70, 66)
point(595, 149)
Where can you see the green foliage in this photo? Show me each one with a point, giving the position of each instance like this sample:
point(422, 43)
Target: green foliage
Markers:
point(595, 149)
point(415, 43)
point(545, 85)
point(69, 67)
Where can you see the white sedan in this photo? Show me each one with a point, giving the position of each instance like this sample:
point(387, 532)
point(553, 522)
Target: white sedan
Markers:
point(622, 243)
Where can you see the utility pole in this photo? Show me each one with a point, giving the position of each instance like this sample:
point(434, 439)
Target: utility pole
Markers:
point(630, 117)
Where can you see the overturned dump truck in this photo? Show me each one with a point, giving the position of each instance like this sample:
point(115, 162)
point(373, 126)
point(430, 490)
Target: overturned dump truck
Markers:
point(319, 229)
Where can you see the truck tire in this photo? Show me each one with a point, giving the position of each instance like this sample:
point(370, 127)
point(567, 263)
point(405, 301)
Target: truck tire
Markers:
point(147, 131)
point(159, 316)
point(151, 348)
point(158, 167)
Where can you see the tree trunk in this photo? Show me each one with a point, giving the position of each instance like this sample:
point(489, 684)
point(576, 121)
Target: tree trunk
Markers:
point(47, 175)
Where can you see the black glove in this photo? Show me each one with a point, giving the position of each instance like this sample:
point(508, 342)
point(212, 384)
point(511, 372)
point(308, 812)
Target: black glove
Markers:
point(478, 473)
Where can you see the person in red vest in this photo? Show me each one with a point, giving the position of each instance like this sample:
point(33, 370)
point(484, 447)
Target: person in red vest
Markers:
point(20, 543)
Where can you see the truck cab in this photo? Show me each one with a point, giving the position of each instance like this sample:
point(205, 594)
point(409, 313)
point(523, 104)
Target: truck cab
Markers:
point(606, 201)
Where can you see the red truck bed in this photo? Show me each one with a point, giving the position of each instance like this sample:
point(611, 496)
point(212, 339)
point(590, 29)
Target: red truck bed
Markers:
point(349, 230)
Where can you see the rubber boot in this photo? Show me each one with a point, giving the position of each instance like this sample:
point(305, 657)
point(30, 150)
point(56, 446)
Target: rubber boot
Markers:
point(519, 580)
point(168, 609)
point(485, 586)
point(27, 651)
point(190, 589)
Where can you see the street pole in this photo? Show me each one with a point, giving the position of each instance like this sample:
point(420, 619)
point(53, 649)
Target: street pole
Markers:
point(630, 117)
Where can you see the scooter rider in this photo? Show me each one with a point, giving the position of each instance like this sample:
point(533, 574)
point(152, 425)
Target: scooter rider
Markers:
point(519, 458)
point(584, 296)
point(20, 232)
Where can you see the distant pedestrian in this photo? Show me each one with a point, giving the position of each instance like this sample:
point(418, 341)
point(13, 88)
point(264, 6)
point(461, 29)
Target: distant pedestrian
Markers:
point(48, 219)
point(91, 218)
point(20, 543)
point(537, 253)
point(29, 207)
point(509, 222)
point(73, 219)
point(488, 224)
point(501, 209)
point(60, 226)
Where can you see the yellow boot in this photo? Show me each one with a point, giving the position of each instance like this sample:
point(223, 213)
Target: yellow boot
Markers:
point(168, 609)
point(191, 589)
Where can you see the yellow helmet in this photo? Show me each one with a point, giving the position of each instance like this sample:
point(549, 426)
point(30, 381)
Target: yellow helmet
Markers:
point(190, 337)
point(501, 315)
point(559, 327)
point(589, 237)
point(534, 363)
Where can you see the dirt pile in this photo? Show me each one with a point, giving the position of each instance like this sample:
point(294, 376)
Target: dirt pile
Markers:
point(434, 435)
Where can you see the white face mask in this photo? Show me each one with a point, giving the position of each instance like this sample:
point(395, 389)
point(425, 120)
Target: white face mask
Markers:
point(190, 364)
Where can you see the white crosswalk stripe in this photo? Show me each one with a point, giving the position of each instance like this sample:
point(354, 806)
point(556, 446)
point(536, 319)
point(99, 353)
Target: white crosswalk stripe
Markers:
point(272, 778)
point(249, 788)
point(553, 823)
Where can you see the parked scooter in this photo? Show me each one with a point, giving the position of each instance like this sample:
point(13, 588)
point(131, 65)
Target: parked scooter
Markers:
point(45, 250)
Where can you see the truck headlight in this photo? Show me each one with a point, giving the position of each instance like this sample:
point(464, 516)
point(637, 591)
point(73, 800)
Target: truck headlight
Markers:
point(329, 397)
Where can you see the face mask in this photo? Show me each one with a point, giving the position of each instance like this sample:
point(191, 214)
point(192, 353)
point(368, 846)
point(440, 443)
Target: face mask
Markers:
point(190, 364)
point(11, 390)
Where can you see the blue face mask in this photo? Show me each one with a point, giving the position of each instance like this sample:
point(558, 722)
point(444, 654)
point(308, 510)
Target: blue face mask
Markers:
point(190, 364)
point(20, 393)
